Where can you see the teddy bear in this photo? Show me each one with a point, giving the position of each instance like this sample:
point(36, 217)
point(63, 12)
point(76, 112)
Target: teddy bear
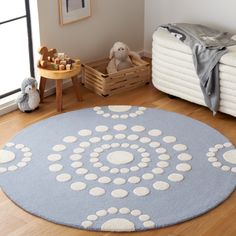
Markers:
point(120, 57)
point(46, 56)
point(29, 98)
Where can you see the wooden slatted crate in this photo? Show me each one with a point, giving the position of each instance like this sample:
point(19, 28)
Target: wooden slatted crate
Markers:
point(95, 77)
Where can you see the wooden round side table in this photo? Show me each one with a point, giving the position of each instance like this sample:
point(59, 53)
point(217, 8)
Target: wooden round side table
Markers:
point(59, 76)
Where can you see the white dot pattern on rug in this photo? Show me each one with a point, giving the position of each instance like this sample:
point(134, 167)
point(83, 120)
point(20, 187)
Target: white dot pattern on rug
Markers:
point(169, 139)
point(223, 157)
point(81, 171)
point(120, 169)
point(70, 139)
point(54, 157)
point(138, 128)
point(175, 177)
point(117, 154)
point(119, 181)
point(184, 157)
point(78, 186)
point(63, 177)
point(120, 219)
point(55, 167)
point(6, 156)
point(161, 185)
point(14, 157)
point(230, 156)
point(101, 128)
point(180, 147)
point(124, 210)
point(104, 180)
point(19, 146)
point(120, 157)
point(85, 132)
point(12, 168)
point(120, 127)
point(155, 132)
point(119, 193)
point(97, 191)
point(134, 179)
point(119, 112)
point(59, 148)
point(112, 210)
point(141, 191)
point(183, 167)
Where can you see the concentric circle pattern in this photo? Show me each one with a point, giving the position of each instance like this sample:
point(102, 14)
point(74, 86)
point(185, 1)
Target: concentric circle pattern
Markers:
point(121, 157)
point(118, 168)
point(14, 157)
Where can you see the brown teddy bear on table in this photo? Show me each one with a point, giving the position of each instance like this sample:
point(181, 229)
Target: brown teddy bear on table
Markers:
point(46, 56)
point(121, 57)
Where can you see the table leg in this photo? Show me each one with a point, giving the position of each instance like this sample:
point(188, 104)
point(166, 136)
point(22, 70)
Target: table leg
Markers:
point(59, 83)
point(42, 88)
point(76, 86)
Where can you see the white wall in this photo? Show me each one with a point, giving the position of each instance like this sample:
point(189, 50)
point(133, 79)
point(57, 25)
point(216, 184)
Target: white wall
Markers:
point(92, 38)
point(220, 14)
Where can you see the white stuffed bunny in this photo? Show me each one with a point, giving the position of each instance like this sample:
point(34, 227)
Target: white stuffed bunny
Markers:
point(120, 57)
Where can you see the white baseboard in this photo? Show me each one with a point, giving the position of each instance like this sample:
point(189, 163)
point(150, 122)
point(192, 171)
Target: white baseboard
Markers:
point(9, 107)
point(147, 54)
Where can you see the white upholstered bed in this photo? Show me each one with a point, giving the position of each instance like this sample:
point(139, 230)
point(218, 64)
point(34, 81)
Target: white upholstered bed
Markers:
point(173, 72)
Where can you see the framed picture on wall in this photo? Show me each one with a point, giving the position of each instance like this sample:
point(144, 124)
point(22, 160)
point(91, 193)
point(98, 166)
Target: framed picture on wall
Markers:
point(74, 10)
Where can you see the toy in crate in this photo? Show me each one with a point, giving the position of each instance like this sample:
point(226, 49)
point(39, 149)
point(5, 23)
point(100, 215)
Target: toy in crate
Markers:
point(52, 60)
point(122, 71)
point(121, 58)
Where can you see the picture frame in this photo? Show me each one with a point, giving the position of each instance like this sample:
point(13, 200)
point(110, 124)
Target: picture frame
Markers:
point(71, 11)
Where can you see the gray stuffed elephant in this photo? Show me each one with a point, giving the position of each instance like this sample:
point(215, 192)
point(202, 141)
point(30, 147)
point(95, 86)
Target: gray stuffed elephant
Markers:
point(29, 98)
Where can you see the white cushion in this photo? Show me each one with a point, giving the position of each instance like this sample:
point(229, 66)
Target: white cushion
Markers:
point(167, 40)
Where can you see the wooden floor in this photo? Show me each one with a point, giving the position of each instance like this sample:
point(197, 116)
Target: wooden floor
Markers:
point(218, 222)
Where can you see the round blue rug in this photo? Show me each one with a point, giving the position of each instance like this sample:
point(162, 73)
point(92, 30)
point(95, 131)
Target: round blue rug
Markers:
point(118, 168)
